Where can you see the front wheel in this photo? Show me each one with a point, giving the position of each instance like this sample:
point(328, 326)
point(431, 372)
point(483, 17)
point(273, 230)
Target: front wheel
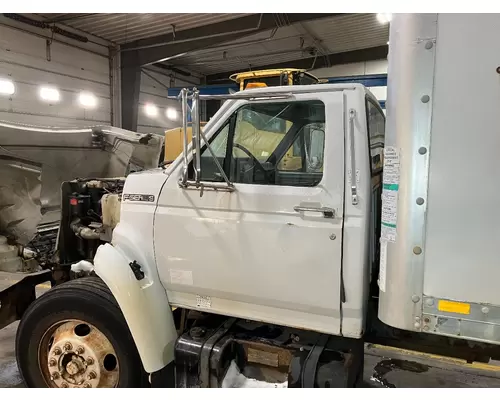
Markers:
point(75, 336)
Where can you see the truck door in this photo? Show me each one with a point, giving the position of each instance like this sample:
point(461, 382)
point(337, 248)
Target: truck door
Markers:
point(271, 249)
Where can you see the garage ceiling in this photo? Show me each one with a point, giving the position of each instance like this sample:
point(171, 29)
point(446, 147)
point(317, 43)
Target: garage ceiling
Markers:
point(310, 40)
point(123, 28)
point(215, 45)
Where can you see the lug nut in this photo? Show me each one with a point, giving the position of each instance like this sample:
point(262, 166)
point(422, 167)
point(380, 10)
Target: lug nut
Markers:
point(91, 375)
point(90, 361)
point(80, 350)
point(55, 375)
point(68, 346)
point(52, 362)
point(64, 385)
point(87, 385)
point(57, 351)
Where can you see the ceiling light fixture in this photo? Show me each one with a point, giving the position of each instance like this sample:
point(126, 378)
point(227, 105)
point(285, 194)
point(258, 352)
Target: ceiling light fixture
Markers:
point(87, 99)
point(7, 87)
point(384, 18)
point(151, 110)
point(49, 94)
point(171, 114)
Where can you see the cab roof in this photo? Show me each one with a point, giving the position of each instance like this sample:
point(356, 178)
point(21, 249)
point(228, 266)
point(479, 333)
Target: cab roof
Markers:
point(325, 87)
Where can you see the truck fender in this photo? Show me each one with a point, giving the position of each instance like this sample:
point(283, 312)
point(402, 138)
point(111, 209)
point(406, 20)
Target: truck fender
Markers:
point(144, 304)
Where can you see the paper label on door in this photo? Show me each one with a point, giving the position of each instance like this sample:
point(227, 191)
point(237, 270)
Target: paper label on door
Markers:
point(390, 188)
point(383, 265)
point(180, 277)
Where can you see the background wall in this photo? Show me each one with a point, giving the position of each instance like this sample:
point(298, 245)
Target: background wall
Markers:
point(27, 60)
point(357, 69)
point(73, 67)
point(154, 86)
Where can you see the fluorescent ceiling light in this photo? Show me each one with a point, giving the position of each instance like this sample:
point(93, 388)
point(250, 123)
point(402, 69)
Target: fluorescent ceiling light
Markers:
point(151, 110)
point(171, 114)
point(49, 94)
point(384, 18)
point(87, 99)
point(7, 87)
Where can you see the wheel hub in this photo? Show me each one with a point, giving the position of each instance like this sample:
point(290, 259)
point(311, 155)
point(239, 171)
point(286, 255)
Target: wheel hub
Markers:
point(78, 355)
point(68, 366)
point(75, 366)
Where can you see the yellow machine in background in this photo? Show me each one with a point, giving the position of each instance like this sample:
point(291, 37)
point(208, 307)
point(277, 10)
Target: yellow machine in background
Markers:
point(173, 142)
point(251, 80)
point(274, 77)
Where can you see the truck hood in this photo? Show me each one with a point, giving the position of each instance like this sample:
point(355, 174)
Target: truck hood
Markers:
point(34, 161)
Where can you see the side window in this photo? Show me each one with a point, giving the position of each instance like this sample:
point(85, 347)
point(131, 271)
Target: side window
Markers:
point(209, 170)
point(376, 131)
point(219, 144)
point(257, 132)
point(270, 144)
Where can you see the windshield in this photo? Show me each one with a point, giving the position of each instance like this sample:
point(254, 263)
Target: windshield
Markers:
point(263, 122)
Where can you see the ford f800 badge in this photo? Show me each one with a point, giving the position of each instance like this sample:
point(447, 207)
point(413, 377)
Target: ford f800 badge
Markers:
point(148, 198)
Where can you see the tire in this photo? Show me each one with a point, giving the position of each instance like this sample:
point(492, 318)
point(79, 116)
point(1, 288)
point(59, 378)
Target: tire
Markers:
point(86, 300)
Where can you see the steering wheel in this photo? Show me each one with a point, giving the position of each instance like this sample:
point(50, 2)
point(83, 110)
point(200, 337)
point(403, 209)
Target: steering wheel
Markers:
point(254, 159)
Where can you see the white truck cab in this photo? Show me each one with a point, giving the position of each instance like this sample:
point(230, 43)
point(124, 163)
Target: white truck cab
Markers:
point(268, 247)
point(271, 248)
point(293, 229)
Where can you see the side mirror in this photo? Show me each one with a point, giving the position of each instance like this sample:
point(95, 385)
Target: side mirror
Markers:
point(314, 163)
point(315, 151)
point(197, 135)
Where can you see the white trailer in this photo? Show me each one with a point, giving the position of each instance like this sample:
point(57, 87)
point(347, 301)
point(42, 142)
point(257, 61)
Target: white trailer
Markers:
point(276, 270)
point(439, 272)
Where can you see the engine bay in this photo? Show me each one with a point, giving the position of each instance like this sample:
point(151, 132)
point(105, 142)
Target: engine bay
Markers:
point(90, 210)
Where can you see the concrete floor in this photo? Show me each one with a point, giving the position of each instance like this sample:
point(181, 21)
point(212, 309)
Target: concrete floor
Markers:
point(384, 367)
point(388, 367)
point(9, 375)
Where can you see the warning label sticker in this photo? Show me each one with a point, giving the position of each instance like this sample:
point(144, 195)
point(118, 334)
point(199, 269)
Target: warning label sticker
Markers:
point(390, 193)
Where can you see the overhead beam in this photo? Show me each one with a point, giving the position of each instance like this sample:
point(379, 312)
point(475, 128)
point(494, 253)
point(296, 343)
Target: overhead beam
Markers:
point(370, 54)
point(167, 46)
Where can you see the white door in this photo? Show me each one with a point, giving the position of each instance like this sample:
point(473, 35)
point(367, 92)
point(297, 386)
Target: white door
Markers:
point(270, 250)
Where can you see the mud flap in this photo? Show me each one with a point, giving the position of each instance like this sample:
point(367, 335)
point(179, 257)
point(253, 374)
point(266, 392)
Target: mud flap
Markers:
point(15, 299)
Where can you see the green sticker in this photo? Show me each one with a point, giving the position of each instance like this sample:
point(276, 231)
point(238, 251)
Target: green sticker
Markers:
point(391, 186)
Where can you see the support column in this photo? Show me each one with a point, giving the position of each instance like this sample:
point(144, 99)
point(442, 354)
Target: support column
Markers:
point(130, 90)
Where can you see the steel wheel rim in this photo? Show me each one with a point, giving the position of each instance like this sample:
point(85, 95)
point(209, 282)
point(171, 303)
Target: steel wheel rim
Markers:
point(75, 354)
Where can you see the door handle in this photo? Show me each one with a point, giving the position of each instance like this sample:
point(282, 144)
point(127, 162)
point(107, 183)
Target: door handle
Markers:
point(327, 211)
